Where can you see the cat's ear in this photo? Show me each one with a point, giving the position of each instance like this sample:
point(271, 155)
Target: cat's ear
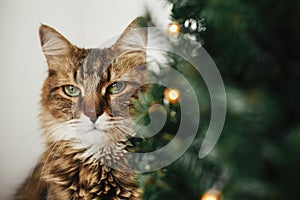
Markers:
point(53, 43)
point(134, 37)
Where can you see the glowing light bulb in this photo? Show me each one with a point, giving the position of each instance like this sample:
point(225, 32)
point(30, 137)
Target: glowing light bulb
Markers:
point(212, 194)
point(209, 198)
point(172, 95)
point(174, 28)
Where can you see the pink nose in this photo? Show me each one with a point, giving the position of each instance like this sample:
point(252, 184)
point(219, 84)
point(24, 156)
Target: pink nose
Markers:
point(91, 113)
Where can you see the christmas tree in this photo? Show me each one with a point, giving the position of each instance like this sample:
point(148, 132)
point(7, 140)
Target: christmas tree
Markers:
point(256, 47)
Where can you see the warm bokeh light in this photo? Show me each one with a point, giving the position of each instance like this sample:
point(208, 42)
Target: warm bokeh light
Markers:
point(172, 95)
point(212, 194)
point(173, 28)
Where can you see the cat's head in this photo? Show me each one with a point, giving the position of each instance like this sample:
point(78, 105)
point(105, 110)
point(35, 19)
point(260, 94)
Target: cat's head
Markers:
point(86, 96)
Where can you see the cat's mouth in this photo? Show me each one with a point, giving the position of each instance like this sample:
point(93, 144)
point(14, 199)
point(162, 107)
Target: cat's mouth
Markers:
point(94, 127)
point(87, 126)
point(92, 134)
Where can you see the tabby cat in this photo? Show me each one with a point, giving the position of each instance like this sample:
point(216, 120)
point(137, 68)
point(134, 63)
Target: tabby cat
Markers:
point(84, 110)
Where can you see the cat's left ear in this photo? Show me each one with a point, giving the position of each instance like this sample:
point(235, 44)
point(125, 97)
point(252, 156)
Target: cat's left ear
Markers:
point(134, 37)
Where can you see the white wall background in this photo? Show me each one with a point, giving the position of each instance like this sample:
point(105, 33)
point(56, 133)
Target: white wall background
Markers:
point(23, 67)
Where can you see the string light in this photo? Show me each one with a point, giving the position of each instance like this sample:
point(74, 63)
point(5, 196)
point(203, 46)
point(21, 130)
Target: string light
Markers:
point(174, 28)
point(172, 95)
point(212, 194)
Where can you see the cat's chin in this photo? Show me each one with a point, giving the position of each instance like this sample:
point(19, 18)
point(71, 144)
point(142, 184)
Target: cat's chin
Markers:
point(93, 134)
point(99, 139)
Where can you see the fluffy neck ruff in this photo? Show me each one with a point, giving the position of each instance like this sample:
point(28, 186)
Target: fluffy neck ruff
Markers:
point(70, 176)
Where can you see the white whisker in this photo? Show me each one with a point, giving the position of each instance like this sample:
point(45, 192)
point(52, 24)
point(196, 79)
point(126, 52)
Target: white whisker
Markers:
point(46, 162)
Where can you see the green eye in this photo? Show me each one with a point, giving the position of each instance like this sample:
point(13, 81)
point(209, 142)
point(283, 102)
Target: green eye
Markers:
point(116, 87)
point(72, 91)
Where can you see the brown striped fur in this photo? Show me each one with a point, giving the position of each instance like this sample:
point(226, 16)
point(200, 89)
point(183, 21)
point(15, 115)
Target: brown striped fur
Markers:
point(73, 165)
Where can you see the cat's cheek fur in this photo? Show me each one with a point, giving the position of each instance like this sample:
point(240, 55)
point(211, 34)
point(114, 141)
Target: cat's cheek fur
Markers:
point(99, 139)
point(61, 107)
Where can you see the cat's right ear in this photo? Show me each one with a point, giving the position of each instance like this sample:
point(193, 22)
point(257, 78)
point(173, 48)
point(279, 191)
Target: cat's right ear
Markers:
point(53, 43)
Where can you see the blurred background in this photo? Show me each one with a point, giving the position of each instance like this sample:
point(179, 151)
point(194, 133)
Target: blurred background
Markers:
point(256, 47)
